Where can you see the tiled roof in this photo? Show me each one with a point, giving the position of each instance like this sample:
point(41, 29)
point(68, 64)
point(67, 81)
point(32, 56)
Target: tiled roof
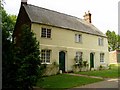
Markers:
point(50, 17)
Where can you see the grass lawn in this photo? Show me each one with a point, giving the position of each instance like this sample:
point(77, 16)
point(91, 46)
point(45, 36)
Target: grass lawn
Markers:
point(65, 81)
point(111, 73)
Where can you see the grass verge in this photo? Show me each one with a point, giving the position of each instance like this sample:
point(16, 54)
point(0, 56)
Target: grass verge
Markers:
point(62, 81)
point(110, 73)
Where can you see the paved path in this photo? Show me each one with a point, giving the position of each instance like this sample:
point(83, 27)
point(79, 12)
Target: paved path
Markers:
point(85, 76)
point(107, 83)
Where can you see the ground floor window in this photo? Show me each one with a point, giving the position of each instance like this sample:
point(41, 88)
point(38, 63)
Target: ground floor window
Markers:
point(45, 56)
point(101, 57)
point(78, 57)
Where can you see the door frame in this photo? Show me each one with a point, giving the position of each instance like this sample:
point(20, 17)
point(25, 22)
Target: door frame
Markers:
point(92, 60)
point(64, 60)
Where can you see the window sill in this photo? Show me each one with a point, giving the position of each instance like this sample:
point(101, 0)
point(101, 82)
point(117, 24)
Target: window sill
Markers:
point(45, 63)
point(101, 45)
point(102, 62)
point(46, 38)
point(79, 42)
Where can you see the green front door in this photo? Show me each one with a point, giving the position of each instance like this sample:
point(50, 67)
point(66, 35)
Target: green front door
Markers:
point(91, 60)
point(62, 61)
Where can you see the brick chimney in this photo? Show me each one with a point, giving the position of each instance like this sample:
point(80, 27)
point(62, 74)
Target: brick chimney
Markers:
point(24, 2)
point(87, 17)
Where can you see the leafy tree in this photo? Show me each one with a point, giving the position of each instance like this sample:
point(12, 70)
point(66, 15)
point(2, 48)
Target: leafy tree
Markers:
point(118, 47)
point(28, 55)
point(8, 66)
point(113, 40)
point(8, 23)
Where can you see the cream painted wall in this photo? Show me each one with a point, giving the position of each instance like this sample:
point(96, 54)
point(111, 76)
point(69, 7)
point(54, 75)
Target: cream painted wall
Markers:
point(64, 40)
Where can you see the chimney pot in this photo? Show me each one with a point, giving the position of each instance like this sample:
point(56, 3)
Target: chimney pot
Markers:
point(87, 17)
point(23, 1)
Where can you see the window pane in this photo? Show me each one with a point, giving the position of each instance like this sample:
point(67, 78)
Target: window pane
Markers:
point(43, 34)
point(100, 41)
point(78, 57)
point(101, 57)
point(78, 38)
point(48, 56)
point(75, 37)
point(48, 33)
point(45, 56)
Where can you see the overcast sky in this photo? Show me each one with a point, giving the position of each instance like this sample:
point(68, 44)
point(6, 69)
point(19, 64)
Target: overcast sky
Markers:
point(104, 12)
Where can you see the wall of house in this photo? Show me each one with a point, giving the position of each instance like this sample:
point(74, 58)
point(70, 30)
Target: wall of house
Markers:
point(114, 57)
point(64, 40)
point(21, 20)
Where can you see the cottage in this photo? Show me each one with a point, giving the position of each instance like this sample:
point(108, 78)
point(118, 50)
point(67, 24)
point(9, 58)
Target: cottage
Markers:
point(64, 37)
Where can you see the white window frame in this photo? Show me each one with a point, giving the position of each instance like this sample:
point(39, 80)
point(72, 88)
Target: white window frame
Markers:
point(78, 38)
point(102, 56)
point(44, 58)
point(100, 41)
point(45, 32)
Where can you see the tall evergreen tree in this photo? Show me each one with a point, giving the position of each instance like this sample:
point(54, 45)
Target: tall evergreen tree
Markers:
point(29, 59)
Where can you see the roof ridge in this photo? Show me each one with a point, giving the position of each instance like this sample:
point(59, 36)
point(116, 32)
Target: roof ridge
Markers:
point(66, 21)
point(56, 11)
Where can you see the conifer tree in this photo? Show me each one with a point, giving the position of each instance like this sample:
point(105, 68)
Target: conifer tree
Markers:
point(29, 59)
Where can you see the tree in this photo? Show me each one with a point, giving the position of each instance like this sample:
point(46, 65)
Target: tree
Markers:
point(118, 46)
point(8, 23)
point(20, 64)
point(28, 55)
point(112, 40)
point(8, 66)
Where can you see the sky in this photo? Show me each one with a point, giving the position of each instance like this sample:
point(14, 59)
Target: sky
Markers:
point(104, 12)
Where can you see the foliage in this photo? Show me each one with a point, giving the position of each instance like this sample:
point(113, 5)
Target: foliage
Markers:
point(113, 40)
point(101, 67)
point(9, 67)
point(85, 63)
point(28, 54)
point(8, 23)
point(50, 69)
point(64, 81)
point(21, 64)
point(81, 64)
point(118, 46)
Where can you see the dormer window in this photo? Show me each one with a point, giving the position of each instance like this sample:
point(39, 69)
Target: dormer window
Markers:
point(46, 33)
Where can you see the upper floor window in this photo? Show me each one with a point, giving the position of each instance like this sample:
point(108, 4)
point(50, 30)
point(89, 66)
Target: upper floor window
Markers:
point(101, 57)
point(46, 33)
point(78, 38)
point(100, 41)
point(78, 57)
point(45, 56)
